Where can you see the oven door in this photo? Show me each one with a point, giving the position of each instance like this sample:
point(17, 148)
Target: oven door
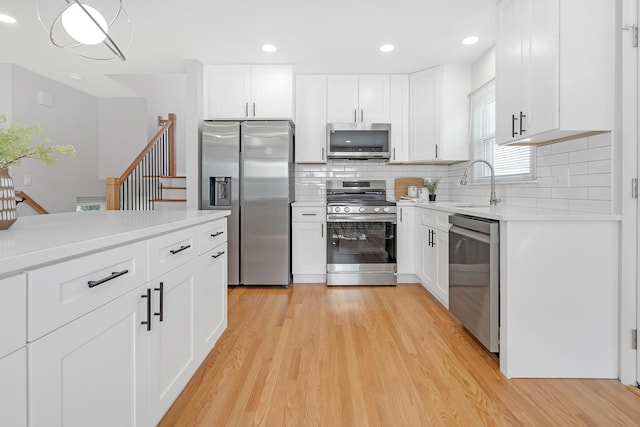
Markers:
point(361, 250)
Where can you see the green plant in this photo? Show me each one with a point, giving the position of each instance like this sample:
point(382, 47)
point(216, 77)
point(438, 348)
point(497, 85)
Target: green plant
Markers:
point(17, 143)
point(431, 184)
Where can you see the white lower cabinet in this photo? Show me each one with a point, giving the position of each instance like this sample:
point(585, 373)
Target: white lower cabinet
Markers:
point(117, 341)
point(212, 299)
point(13, 389)
point(172, 347)
point(93, 371)
point(405, 251)
point(432, 250)
point(309, 244)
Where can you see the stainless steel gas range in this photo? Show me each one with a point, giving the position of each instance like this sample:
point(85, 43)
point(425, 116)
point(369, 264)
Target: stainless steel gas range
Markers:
point(361, 234)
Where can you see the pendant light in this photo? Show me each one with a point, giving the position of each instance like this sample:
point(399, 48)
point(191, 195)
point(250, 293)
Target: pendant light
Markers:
point(95, 29)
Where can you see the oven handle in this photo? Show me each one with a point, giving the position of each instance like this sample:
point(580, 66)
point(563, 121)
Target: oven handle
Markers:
point(484, 238)
point(362, 218)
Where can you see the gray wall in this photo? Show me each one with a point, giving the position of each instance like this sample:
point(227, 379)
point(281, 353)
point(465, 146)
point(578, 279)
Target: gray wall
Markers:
point(72, 119)
point(122, 133)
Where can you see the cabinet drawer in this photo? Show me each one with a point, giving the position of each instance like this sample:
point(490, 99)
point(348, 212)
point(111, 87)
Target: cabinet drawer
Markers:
point(435, 219)
point(172, 250)
point(309, 214)
point(13, 314)
point(212, 234)
point(65, 291)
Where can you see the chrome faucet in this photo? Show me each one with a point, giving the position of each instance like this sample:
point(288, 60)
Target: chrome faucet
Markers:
point(493, 200)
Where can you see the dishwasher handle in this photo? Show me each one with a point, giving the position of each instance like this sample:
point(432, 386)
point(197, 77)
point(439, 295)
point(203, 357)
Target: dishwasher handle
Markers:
point(484, 238)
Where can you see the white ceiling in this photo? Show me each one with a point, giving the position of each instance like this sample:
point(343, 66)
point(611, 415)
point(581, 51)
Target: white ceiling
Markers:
point(328, 36)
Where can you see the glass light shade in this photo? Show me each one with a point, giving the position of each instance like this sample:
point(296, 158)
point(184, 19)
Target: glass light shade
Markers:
point(81, 27)
point(387, 48)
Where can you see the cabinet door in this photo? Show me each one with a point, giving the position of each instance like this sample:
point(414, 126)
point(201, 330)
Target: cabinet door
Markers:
point(309, 253)
point(399, 118)
point(227, 92)
point(13, 314)
point(406, 239)
point(93, 371)
point(311, 119)
point(271, 92)
point(510, 45)
point(427, 272)
point(212, 299)
point(172, 357)
point(424, 119)
point(342, 99)
point(373, 99)
point(541, 68)
point(441, 241)
point(13, 389)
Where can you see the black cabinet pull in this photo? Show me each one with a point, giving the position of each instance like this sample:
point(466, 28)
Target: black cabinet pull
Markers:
point(436, 151)
point(522, 116)
point(513, 125)
point(94, 283)
point(161, 290)
point(148, 321)
point(219, 254)
point(433, 238)
point(182, 248)
point(217, 234)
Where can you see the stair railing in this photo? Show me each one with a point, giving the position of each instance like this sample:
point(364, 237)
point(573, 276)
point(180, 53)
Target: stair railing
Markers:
point(140, 184)
point(29, 201)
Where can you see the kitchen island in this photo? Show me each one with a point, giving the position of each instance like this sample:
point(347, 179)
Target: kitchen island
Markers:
point(114, 312)
point(559, 285)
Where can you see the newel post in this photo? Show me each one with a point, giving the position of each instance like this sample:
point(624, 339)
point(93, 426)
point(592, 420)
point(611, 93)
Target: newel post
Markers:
point(113, 194)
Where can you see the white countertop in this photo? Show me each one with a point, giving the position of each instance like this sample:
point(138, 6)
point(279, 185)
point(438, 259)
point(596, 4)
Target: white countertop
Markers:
point(40, 239)
point(509, 213)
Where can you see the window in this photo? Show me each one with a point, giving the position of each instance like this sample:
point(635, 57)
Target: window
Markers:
point(510, 163)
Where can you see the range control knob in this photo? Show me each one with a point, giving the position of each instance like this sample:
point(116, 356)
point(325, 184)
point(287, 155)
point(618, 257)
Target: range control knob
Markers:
point(337, 210)
point(376, 209)
point(361, 209)
point(347, 209)
point(386, 209)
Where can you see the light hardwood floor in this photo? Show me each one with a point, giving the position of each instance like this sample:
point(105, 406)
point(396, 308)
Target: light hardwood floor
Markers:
point(373, 356)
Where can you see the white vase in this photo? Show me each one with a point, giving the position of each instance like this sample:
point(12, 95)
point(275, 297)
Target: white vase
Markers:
point(8, 210)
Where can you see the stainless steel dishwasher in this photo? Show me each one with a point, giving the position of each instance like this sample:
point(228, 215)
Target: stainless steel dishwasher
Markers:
point(474, 276)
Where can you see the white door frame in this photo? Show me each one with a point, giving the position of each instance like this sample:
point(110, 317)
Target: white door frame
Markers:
point(625, 168)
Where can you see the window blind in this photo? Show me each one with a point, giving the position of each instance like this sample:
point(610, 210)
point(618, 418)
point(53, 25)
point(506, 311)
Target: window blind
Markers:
point(509, 163)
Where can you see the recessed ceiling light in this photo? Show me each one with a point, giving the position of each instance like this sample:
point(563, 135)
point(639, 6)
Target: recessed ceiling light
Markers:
point(7, 19)
point(76, 76)
point(387, 48)
point(470, 40)
point(269, 48)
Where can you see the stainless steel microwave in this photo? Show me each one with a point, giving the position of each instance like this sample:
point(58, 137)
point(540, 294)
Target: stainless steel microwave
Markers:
point(362, 141)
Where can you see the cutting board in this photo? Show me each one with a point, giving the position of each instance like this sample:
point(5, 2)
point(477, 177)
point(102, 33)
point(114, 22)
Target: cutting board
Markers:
point(403, 183)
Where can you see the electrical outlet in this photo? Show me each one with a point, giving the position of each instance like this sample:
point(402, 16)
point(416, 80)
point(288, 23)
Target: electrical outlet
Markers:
point(27, 179)
point(562, 178)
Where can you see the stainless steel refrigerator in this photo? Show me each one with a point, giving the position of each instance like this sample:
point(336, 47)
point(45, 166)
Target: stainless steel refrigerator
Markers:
point(247, 167)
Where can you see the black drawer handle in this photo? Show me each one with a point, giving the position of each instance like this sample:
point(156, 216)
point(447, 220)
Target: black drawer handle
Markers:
point(217, 234)
point(182, 248)
point(218, 254)
point(309, 214)
point(94, 283)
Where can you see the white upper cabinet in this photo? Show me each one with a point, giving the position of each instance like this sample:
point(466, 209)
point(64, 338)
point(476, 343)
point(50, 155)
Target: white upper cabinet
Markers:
point(399, 110)
point(311, 119)
point(358, 99)
point(439, 114)
point(555, 69)
point(248, 92)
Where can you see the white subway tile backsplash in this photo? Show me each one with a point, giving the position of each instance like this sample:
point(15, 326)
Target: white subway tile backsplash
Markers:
point(592, 154)
point(553, 159)
point(587, 161)
point(600, 140)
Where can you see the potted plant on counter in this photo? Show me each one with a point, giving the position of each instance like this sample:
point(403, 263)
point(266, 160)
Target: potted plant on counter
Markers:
point(17, 143)
point(431, 184)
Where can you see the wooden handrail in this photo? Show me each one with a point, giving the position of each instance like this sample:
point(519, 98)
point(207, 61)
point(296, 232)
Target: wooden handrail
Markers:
point(35, 205)
point(166, 124)
point(114, 185)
